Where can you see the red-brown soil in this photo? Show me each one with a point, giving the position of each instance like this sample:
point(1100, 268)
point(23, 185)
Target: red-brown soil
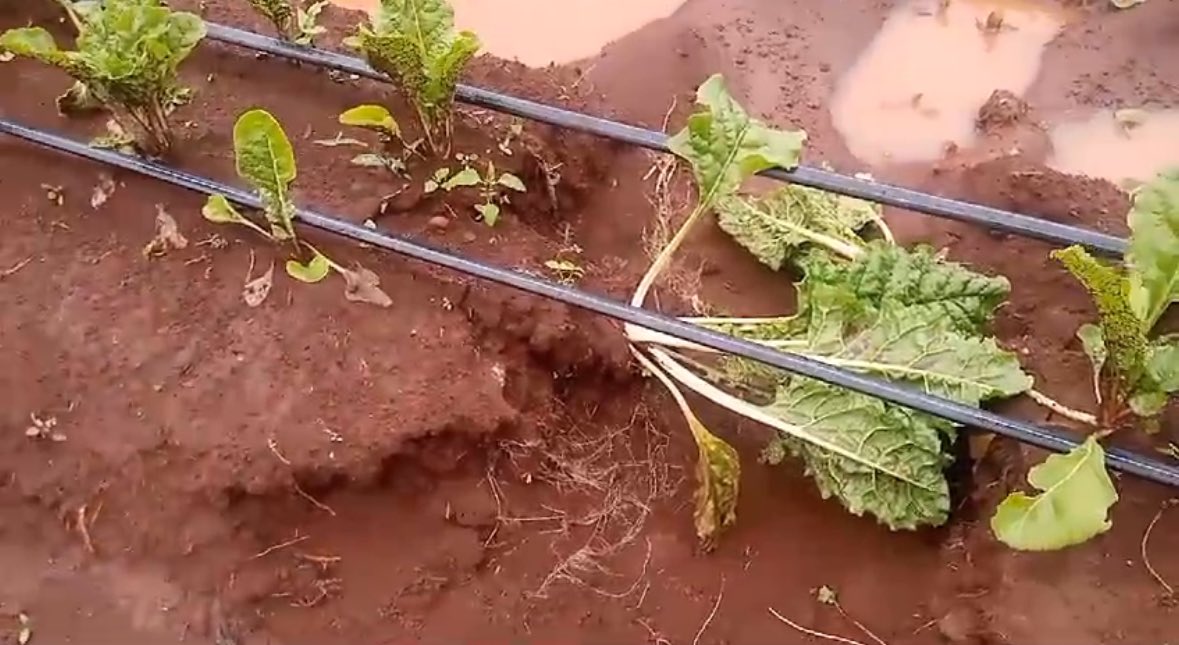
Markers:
point(475, 465)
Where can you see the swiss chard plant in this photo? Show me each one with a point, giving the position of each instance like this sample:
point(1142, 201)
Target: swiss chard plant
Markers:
point(127, 55)
point(265, 159)
point(414, 42)
point(866, 304)
point(1134, 373)
point(293, 22)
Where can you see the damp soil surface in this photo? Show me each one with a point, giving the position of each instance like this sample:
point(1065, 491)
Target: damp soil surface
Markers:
point(475, 465)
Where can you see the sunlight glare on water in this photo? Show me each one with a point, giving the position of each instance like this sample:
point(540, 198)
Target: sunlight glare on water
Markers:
point(920, 82)
point(539, 32)
point(1102, 147)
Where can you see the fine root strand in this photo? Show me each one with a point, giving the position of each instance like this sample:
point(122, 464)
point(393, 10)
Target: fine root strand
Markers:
point(1146, 557)
point(815, 633)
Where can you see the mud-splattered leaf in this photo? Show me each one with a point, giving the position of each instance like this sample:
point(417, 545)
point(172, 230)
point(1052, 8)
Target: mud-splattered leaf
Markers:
point(363, 285)
point(1073, 506)
point(255, 290)
point(373, 117)
point(315, 270)
point(511, 181)
point(266, 160)
point(725, 145)
point(1152, 260)
point(167, 237)
point(775, 226)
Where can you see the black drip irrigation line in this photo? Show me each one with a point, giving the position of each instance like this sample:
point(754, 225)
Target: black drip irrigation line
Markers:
point(991, 218)
point(1118, 459)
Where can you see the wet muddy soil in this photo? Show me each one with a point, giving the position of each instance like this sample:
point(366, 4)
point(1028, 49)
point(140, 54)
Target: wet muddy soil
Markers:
point(474, 465)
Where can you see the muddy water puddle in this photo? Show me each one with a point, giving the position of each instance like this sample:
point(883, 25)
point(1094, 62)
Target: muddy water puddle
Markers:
point(540, 32)
point(1131, 147)
point(919, 84)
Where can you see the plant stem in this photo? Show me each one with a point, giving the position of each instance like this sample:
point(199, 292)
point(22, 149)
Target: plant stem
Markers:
point(664, 257)
point(1062, 409)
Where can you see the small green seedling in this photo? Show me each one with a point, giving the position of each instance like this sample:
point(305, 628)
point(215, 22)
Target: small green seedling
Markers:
point(126, 60)
point(490, 184)
point(266, 160)
point(293, 23)
point(414, 42)
point(394, 152)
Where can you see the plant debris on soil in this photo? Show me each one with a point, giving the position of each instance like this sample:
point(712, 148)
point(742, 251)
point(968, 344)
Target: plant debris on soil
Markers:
point(195, 448)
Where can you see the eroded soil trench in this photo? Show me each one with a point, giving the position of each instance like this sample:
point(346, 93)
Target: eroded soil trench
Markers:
point(474, 465)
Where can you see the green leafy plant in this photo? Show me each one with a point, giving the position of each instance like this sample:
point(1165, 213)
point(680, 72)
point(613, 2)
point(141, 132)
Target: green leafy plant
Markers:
point(393, 153)
point(126, 60)
point(266, 160)
point(293, 23)
point(1133, 372)
point(414, 42)
point(866, 304)
point(491, 185)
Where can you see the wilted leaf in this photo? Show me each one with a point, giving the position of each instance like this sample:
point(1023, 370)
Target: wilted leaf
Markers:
point(511, 181)
point(255, 290)
point(369, 160)
point(315, 270)
point(775, 226)
point(266, 160)
point(718, 476)
point(374, 117)
point(78, 100)
point(1152, 260)
point(489, 213)
point(168, 235)
point(102, 191)
point(362, 285)
point(1073, 506)
point(463, 178)
point(725, 145)
point(1163, 363)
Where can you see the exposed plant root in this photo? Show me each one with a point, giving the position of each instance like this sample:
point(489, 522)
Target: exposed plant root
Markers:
point(720, 594)
point(665, 203)
point(305, 495)
point(815, 633)
point(1146, 558)
point(1062, 409)
point(281, 545)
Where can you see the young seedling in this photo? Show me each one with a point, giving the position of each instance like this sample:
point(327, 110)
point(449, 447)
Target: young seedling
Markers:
point(1134, 374)
point(414, 43)
point(293, 23)
point(491, 187)
point(266, 160)
point(865, 305)
point(393, 153)
point(126, 60)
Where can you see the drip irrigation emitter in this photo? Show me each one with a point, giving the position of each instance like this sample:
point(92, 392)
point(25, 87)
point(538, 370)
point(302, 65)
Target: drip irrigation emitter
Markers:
point(1050, 439)
point(990, 218)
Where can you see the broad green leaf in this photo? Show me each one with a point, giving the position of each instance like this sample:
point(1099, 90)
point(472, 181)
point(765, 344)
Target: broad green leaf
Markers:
point(1163, 364)
point(462, 178)
point(889, 275)
point(1093, 343)
point(33, 42)
point(1121, 330)
point(889, 461)
point(725, 145)
point(489, 213)
point(1152, 260)
point(266, 160)
point(315, 270)
point(511, 181)
point(773, 227)
point(414, 42)
point(1073, 506)
point(375, 117)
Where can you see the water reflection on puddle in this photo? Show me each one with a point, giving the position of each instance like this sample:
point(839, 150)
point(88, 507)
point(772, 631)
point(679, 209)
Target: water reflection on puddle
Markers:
point(1121, 151)
point(920, 82)
point(539, 32)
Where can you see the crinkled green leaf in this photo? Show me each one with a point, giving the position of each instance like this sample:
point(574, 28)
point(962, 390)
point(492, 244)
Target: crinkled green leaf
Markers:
point(315, 270)
point(280, 13)
point(774, 226)
point(306, 22)
point(725, 145)
point(266, 160)
point(1073, 506)
point(1152, 261)
point(414, 42)
point(893, 460)
point(1093, 343)
point(890, 275)
point(375, 117)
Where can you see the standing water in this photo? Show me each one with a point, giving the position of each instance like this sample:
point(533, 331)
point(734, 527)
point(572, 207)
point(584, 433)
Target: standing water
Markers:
point(540, 32)
point(920, 82)
point(1124, 150)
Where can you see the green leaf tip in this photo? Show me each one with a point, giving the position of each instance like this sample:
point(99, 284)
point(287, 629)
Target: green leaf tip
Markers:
point(1073, 506)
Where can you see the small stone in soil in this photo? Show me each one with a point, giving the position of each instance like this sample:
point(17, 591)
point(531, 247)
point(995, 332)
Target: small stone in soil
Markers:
point(439, 222)
point(469, 237)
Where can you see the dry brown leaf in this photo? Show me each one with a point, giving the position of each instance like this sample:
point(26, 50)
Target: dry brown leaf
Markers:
point(255, 291)
point(167, 237)
point(364, 286)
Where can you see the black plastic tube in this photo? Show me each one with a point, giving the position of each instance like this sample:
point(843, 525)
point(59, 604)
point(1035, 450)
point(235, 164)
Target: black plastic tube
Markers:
point(1117, 459)
point(991, 218)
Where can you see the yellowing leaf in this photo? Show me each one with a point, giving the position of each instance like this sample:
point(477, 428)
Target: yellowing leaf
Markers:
point(315, 270)
point(375, 117)
point(217, 209)
point(1072, 508)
